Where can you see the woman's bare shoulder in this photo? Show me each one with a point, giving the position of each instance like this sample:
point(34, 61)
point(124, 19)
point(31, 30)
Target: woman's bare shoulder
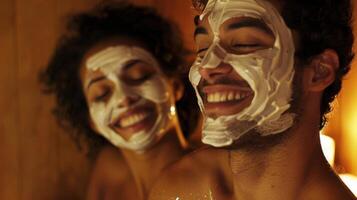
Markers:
point(110, 177)
point(110, 165)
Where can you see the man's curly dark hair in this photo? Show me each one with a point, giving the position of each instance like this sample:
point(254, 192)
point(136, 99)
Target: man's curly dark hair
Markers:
point(105, 21)
point(321, 25)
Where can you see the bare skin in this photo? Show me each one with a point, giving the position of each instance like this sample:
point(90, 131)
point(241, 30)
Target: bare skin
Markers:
point(289, 165)
point(293, 169)
point(122, 173)
point(111, 178)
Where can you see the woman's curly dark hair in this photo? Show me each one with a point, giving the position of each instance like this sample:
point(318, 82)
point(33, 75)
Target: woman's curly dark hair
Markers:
point(321, 25)
point(110, 20)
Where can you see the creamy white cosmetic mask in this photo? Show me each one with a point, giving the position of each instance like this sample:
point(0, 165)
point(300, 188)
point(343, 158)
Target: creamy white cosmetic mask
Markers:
point(110, 62)
point(268, 72)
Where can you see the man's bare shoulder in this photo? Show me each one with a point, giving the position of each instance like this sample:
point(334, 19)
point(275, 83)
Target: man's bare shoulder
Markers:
point(337, 192)
point(200, 161)
point(327, 187)
point(190, 175)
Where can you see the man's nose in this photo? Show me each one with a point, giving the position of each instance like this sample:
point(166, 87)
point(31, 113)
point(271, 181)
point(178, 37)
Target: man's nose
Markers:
point(212, 74)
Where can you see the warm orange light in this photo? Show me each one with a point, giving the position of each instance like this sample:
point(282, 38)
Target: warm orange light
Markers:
point(350, 181)
point(328, 148)
point(350, 141)
point(348, 114)
point(349, 122)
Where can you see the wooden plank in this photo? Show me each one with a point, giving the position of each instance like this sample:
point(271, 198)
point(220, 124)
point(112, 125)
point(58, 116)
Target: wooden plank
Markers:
point(143, 2)
point(74, 167)
point(182, 13)
point(9, 134)
point(36, 25)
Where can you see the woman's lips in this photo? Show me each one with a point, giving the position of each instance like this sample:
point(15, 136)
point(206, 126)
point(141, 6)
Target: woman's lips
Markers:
point(135, 120)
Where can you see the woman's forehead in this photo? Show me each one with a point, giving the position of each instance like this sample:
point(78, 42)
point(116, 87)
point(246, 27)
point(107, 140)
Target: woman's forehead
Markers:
point(110, 42)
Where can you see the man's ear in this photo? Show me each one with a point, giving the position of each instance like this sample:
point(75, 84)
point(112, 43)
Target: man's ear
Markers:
point(177, 88)
point(322, 71)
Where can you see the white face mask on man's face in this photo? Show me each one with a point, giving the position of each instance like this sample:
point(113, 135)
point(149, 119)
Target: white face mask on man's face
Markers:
point(111, 62)
point(268, 72)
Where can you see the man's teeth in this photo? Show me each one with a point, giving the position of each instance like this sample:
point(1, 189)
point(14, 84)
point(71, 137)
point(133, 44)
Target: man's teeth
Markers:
point(132, 119)
point(226, 96)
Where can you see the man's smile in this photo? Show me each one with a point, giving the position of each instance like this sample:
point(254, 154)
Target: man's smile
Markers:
point(224, 99)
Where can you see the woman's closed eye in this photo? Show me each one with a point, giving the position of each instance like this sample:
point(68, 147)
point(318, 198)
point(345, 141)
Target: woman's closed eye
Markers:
point(138, 73)
point(102, 96)
point(134, 79)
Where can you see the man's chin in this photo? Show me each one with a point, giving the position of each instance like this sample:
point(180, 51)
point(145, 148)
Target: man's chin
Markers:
point(253, 140)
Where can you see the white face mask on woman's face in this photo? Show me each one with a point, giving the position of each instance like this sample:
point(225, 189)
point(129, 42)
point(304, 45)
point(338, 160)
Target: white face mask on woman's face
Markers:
point(269, 73)
point(154, 89)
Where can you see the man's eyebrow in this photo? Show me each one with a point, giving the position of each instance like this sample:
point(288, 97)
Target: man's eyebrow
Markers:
point(250, 23)
point(100, 78)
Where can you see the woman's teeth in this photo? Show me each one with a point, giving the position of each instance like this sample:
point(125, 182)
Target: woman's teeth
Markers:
point(226, 96)
point(132, 119)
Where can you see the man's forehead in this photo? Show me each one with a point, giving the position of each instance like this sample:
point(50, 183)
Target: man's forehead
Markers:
point(216, 14)
point(203, 26)
point(278, 4)
point(238, 19)
point(214, 5)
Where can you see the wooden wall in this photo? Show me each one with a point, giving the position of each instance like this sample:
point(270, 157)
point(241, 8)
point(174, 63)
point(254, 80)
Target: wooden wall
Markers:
point(37, 159)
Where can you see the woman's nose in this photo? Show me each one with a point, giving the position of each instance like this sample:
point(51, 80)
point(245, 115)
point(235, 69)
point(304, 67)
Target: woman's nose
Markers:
point(128, 101)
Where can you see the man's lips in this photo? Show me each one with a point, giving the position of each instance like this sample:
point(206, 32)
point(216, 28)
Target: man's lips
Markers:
point(225, 93)
point(226, 99)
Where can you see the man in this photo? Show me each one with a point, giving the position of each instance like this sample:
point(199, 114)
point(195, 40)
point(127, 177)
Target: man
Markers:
point(265, 75)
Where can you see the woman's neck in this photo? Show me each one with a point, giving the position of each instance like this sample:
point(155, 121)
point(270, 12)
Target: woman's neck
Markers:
point(147, 166)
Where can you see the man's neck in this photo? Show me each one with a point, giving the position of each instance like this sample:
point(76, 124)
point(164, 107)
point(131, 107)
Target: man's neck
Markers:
point(281, 170)
point(147, 166)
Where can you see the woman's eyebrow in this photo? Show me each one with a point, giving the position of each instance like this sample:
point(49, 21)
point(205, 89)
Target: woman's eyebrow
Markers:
point(130, 64)
point(97, 79)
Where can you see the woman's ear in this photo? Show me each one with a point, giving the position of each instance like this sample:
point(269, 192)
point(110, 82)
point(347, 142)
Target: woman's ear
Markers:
point(322, 71)
point(177, 88)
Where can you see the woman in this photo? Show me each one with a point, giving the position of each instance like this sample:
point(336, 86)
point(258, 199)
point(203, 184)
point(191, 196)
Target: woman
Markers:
point(117, 75)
